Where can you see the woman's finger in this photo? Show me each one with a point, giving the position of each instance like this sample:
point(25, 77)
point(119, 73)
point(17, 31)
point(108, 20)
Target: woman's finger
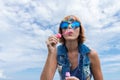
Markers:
point(52, 40)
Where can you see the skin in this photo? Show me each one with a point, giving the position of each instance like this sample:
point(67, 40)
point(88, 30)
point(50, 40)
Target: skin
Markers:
point(72, 46)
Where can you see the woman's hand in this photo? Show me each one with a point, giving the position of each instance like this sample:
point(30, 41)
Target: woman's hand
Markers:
point(71, 78)
point(51, 43)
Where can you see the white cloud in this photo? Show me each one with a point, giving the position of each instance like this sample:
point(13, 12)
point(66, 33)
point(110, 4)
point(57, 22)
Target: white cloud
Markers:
point(110, 63)
point(26, 24)
point(23, 48)
point(110, 58)
point(2, 76)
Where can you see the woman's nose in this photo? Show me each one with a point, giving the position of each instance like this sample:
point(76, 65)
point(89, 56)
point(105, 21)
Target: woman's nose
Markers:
point(69, 26)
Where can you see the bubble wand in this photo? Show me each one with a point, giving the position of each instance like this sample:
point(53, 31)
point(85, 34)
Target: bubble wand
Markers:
point(67, 74)
point(66, 32)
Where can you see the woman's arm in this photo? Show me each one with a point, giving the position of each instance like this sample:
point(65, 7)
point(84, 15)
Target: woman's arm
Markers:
point(95, 65)
point(49, 68)
point(51, 62)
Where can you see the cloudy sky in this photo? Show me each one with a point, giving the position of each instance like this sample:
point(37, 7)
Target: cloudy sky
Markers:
point(26, 24)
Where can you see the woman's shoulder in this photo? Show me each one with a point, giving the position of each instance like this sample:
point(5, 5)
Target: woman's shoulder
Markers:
point(93, 55)
point(84, 49)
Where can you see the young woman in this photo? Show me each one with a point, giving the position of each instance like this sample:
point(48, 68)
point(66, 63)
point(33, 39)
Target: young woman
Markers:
point(72, 55)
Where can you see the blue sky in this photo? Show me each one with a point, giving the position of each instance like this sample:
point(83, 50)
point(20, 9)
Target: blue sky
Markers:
point(26, 24)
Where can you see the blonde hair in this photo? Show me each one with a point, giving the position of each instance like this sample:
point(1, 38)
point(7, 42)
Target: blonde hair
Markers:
point(81, 37)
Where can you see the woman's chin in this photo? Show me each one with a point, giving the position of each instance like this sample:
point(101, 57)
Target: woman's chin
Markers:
point(70, 39)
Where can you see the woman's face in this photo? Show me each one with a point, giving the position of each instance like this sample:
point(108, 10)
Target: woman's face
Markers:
point(70, 34)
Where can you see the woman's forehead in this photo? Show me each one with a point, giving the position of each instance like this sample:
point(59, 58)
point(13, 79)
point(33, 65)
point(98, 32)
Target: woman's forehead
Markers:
point(71, 18)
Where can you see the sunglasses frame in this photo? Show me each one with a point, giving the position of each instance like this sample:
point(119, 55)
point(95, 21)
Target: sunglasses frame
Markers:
point(66, 24)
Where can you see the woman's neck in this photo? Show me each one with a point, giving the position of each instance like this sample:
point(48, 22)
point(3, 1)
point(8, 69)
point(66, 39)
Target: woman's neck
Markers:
point(72, 45)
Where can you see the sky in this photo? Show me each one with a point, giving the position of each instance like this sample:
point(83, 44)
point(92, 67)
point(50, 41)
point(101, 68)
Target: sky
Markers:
point(26, 24)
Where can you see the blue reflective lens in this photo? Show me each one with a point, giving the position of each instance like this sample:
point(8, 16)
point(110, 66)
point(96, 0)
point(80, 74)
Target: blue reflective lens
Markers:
point(65, 24)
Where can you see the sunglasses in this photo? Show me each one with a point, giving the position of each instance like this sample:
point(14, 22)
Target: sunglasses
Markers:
point(73, 25)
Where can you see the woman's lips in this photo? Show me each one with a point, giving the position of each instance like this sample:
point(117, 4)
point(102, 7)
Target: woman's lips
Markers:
point(68, 31)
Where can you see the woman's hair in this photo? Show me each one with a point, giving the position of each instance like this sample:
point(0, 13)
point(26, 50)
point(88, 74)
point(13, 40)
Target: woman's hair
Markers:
point(81, 37)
